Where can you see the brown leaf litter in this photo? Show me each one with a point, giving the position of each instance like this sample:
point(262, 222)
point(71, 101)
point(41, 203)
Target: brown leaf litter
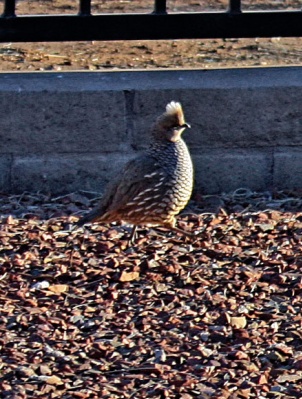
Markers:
point(83, 316)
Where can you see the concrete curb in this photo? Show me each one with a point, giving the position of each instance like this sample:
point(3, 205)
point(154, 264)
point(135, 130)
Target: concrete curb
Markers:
point(63, 132)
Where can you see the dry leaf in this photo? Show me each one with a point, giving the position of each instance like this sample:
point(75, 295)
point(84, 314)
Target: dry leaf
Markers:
point(238, 322)
point(54, 380)
point(58, 288)
point(129, 276)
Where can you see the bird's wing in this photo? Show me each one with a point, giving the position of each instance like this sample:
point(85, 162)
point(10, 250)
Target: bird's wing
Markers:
point(140, 175)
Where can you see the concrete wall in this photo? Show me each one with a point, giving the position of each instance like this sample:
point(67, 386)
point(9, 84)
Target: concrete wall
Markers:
point(61, 132)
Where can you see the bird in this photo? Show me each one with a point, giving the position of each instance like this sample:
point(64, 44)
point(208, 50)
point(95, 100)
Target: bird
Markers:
point(155, 186)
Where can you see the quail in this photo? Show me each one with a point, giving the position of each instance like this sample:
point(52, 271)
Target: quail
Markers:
point(155, 186)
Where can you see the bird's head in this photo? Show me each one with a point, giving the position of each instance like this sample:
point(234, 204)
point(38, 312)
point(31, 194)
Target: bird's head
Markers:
point(170, 125)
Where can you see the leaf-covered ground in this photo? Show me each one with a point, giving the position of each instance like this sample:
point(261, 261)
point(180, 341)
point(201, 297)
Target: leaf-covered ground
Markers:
point(217, 316)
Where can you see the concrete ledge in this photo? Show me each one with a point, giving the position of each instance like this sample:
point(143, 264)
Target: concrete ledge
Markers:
point(67, 131)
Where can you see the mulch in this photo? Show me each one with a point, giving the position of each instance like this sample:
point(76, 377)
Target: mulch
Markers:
point(216, 316)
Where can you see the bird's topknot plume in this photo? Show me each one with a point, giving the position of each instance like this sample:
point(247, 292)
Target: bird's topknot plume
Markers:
point(174, 109)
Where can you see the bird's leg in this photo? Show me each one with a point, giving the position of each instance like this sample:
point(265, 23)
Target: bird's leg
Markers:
point(171, 226)
point(184, 232)
point(178, 230)
point(132, 236)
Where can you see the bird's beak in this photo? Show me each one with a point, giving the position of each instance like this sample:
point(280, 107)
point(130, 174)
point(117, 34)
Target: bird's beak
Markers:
point(186, 125)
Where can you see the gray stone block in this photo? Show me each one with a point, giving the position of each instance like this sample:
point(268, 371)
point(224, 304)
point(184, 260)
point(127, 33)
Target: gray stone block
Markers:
point(288, 168)
point(54, 122)
point(65, 173)
point(223, 170)
point(228, 118)
point(5, 173)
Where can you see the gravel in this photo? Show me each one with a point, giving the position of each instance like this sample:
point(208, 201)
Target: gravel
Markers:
point(217, 316)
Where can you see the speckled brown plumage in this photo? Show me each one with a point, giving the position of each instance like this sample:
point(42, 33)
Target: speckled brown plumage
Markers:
point(155, 186)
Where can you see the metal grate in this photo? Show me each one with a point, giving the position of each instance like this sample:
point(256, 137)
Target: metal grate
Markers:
point(233, 23)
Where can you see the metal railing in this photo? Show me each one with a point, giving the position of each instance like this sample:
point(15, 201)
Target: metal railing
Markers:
point(232, 23)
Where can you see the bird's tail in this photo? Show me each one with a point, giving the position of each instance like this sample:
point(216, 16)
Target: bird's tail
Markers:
point(89, 218)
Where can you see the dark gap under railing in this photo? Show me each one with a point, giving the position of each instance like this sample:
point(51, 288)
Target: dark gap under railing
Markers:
point(232, 23)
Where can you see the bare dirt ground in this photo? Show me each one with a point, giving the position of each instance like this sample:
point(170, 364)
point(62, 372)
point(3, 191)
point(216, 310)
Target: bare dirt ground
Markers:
point(148, 54)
